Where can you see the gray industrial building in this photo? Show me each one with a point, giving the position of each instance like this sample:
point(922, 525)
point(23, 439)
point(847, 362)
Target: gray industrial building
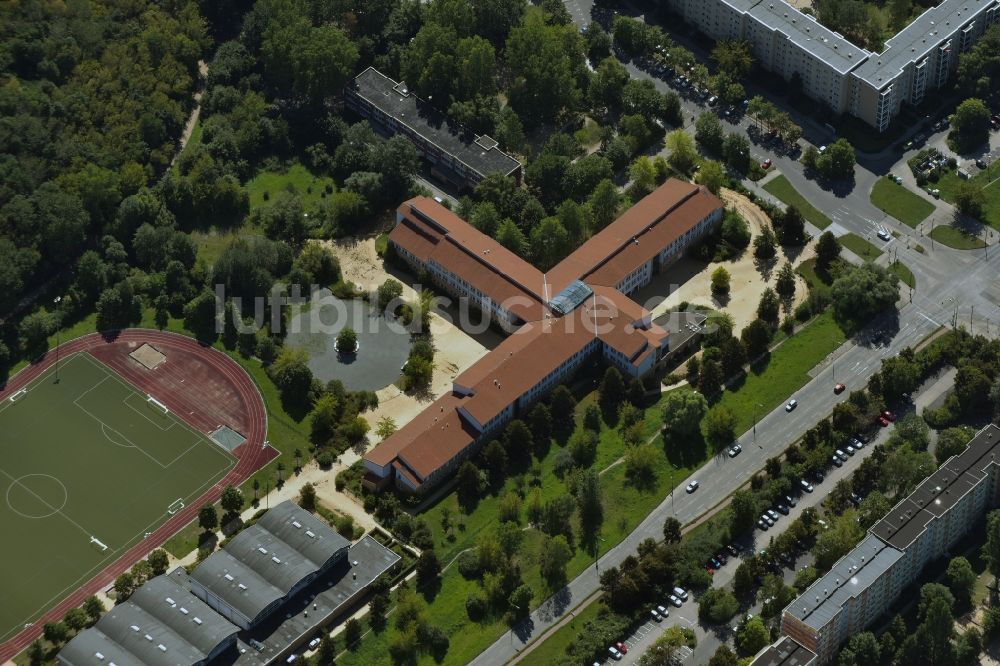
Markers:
point(223, 612)
point(921, 528)
point(872, 86)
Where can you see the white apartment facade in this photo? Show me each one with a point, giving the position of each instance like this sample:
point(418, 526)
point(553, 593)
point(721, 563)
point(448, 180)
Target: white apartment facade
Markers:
point(872, 86)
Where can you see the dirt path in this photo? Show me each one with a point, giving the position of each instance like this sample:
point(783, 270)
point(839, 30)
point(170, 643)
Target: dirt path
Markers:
point(195, 113)
point(689, 280)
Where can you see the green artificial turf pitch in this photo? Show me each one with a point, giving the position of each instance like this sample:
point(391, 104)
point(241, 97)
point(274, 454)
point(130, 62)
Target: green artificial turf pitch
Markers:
point(86, 457)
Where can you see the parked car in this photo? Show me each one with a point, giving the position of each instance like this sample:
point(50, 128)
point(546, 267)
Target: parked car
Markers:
point(313, 643)
point(806, 486)
point(675, 600)
point(783, 509)
point(857, 443)
point(767, 519)
point(836, 461)
point(663, 611)
point(621, 647)
point(850, 450)
point(656, 615)
point(791, 500)
point(772, 514)
point(615, 654)
point(735, 450)
point(838, 389)
point(762, 524)
point(792, 404)
point(889, 416)
point(818, 476)
point(693, 486)
point(732, 550)
point(765, 165)
point(714, 563)
point(681, 593)
point(722, 557)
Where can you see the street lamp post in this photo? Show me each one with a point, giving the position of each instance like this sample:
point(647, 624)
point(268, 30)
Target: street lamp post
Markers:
point(57, 301)
point(755, 424)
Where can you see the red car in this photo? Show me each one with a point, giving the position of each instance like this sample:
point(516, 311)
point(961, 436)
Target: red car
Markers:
point(765, 165)
point(838, 389)
point(888, 416)
point(621, 647)
point(883, 421)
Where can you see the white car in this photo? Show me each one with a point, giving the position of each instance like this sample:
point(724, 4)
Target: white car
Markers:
point(675, 600)
point(615, 654)
point(313, 643)
point(693, 486)
point(792, 404)
point(806, 486)
point(884, 235)
point(735, 450)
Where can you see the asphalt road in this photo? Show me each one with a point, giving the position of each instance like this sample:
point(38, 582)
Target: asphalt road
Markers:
point(952, 286)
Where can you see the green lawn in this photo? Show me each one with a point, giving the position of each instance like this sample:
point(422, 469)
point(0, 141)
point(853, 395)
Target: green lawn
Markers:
point(212, 243)
point(948, 184)
point(956, 238)
point(60, 439)
point(554, 647)
point(860, 246)
point(266, 185)
point(781, 188)
point(909, 208)
point(785, 373)
point(904, 273)
point(814, 279)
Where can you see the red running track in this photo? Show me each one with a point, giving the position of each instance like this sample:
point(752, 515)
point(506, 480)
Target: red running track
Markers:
point(235, 402)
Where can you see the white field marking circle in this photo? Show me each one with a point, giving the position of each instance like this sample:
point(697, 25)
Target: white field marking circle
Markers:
point(54, 510)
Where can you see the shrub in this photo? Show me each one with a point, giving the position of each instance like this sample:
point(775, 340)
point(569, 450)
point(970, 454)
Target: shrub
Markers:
point(325, 461)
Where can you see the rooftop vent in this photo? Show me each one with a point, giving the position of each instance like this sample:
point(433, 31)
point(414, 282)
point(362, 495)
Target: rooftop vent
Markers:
point(99, 656)
point(184, 611)
point(197, 620)
point(161, 647)
point(242, 586)
point(171, 601)
point(275, 560)
point(310, 534)
point(134, 627)
point(262, 550)
point(229, 577)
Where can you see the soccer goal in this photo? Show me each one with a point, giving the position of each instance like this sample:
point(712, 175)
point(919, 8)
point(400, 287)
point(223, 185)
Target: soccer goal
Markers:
point(156, 404)
point(103, 547)
point(175, 506)
point(18, 395)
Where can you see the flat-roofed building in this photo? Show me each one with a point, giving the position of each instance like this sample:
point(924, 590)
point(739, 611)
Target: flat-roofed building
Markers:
point(162, 624)
point(454, 153)
point(921, 528)
point(557, 320)
point(266, 564)
point(785, 652)
point(849, 79)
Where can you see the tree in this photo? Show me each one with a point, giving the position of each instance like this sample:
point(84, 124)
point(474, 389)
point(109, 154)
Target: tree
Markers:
point(124, 586)
point(708, 132)
point(292, 376)
point(720, 281)
point(640, 465)
point(682, 151)
point(736, 150)
point(36, 653)
point(810, 158)
point(765, 245)
point(838, 161)
point(663, 651)
point(604, 203)
point(607, 83)
point(428, 567)
point(834, 543)
point(542, 60)
point(683, 411)
point(961, 578)
point(970, 125)
point(512, 238)
point(991, 549)
point(861, 292)
point(717, 605)
point(469, 483)
point(900, 377)
point(94, 608)
point(752, 636)
point(589, 503)
point(756, 337)
point(710, 379)
point(792, 227)
point(672, 530)
point(951, 442)
point(75, 619)
point(769, 307)
point(307, 497)
point(232, 500)
point(733, 56)
point(723, 656)
point(827, 250)
point(711, 175)
point(158, 561)
point(208, 519)
point(555, 555)
point(56, 632)
point(720, 425)
point(970, 198)
point(612, 389)
point(743, 508)
point(347, 340)
point(785, 284)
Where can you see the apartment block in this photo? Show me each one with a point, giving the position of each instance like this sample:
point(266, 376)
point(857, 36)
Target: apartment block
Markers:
point(556, 320)
point(872, 86)
point(454, 154)
point(918, 530)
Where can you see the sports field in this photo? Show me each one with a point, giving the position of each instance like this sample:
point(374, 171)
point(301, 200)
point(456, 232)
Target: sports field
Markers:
point(88, 466)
